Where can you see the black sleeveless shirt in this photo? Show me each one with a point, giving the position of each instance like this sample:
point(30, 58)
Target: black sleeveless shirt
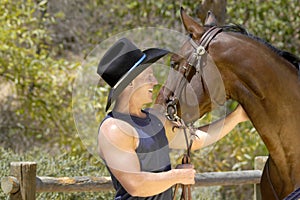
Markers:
point(152, 151)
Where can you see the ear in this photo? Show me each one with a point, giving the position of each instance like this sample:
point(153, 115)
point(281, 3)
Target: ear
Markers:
point(190, 25)
point(210, 19)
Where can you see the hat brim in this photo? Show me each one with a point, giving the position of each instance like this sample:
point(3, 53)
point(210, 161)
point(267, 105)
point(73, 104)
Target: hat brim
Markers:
point(152, 55)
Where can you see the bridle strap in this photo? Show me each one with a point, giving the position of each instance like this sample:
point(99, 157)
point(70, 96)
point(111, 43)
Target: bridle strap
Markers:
point(209, 35)
point(269, 179)
point(199, 51)
point(186, 193)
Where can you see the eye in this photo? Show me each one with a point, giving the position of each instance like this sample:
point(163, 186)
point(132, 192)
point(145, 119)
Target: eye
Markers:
point(174, 64)
point(175, 61)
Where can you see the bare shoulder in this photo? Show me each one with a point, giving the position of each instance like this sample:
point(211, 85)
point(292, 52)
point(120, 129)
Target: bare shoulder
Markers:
point(113, 125)
point(115, 132)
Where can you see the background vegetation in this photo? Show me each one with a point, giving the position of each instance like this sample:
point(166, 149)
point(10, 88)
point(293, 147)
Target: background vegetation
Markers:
point(42, 44)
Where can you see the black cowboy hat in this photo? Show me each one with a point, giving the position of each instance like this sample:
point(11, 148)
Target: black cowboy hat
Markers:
point(122, 63)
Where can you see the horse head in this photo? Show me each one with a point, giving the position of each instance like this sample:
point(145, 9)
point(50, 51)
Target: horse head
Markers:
point(192, 88)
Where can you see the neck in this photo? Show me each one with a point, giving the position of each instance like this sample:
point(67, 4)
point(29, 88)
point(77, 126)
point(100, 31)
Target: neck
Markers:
point(129, 108)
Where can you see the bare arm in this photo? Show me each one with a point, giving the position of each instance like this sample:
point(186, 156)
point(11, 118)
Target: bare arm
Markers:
point(117, 147)
point(211, 133)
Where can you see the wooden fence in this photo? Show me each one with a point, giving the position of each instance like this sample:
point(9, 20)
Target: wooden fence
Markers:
point(23, 184)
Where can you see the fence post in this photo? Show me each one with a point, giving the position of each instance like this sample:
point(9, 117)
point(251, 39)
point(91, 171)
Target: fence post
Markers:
point(25, 172)
point(259, 163)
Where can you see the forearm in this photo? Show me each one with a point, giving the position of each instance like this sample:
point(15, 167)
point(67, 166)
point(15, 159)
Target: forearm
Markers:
point(145, 184)
point(213, 132)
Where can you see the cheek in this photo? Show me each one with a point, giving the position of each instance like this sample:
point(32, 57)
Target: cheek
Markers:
point(141, 91)
point(148, 82)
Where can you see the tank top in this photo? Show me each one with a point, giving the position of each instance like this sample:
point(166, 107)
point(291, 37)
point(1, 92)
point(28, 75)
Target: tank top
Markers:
point(152, 151)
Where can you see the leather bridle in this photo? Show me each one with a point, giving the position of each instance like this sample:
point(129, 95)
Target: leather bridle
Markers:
point(194, 61)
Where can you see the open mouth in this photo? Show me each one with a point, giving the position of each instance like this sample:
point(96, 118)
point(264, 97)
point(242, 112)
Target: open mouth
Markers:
point(150, 90)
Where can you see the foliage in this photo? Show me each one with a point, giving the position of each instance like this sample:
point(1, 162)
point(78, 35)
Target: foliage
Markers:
point(82, 24)
point(42, 82)
point(275, 21)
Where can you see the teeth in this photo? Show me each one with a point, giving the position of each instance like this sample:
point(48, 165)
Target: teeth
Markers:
point(150, 90)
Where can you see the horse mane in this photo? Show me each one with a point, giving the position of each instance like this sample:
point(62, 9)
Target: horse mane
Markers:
point(293, 59)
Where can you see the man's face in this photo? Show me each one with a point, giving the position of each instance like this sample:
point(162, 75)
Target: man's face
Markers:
point(143, 85)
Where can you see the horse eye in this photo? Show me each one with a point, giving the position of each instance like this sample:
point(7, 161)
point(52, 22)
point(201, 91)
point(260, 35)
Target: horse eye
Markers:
point(172, 63)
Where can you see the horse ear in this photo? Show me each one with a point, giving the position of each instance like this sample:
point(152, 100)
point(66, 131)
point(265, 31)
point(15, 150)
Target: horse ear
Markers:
point(190, 25)
point(210, 19)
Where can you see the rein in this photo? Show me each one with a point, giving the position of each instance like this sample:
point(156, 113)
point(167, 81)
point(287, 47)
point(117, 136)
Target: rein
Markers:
point(171, 112)
point(269, 179)
point(186, 193)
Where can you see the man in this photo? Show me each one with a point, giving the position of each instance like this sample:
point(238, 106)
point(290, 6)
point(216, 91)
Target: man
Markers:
point(134, 142)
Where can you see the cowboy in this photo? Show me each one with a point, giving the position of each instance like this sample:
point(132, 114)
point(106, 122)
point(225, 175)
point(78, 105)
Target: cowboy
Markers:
point(134, 142)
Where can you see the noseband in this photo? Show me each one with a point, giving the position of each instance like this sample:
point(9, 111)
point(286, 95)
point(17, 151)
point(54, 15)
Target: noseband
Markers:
point(193, 61)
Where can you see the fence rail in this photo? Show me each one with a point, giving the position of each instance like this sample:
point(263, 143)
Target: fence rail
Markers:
point(23, 184)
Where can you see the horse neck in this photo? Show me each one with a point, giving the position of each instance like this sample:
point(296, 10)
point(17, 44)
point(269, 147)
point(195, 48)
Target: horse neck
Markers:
point(269, 89)
point(254, 75)
point(265, 84)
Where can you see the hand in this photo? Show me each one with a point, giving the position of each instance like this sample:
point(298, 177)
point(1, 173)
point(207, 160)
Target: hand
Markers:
point(185, 174)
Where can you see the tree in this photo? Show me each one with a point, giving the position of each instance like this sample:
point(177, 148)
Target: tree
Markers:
point(41, 82)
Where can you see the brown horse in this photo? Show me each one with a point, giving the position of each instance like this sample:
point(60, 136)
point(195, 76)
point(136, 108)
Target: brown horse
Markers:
point(264, 80)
